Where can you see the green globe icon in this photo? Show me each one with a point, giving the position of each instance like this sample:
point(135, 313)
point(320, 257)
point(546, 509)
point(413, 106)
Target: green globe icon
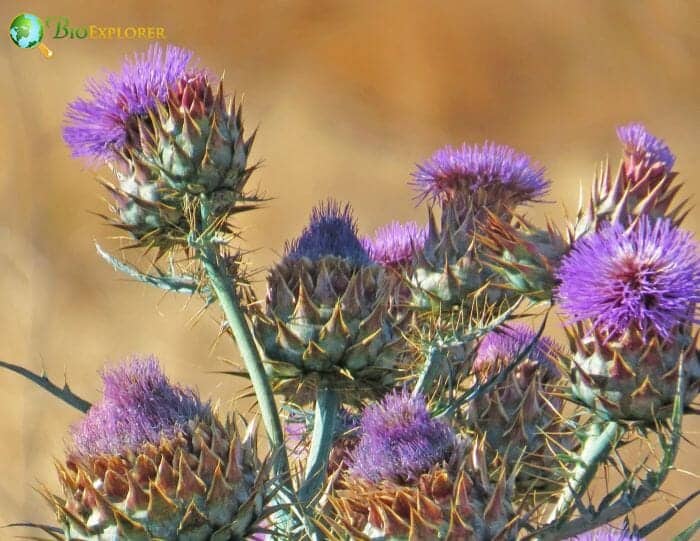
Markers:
point(27, 31)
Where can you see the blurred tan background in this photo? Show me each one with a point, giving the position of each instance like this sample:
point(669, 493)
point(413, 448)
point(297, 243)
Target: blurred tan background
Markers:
point(348, 96)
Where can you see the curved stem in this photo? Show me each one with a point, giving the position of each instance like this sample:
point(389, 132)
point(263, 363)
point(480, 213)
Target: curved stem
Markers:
point(597, 447)
point(325, 415)
point(633, 494)
point(223, 286)
point(228, 299)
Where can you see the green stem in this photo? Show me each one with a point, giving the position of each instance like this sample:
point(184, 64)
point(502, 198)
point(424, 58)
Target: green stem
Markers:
point(431, 369)
point(596, 448)
point(228, 299)
point(689, 532)
point(634, 493)
point(223, 285)
point(325, 415)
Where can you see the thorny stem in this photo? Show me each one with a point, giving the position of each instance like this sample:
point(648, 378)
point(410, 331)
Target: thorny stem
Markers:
point(599, 441)
point(662, 519)
point(431, 367)
point(64, 393)
point(632, 496)
point(435, 356)
point(480, 389)
point(325, 415)
point(223, 286)
point(170, 282)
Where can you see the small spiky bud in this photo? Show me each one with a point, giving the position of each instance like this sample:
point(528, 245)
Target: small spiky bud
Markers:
point(326, 312)
point(633, 295)
point(448, 271)
point(645, 154)
point(195, 140)
point(526, 257)
point(151, 461)
point(520, 417)
point(643, 185)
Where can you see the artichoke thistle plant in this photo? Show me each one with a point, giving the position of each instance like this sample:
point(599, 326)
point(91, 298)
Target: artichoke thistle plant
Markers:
point(420, 395)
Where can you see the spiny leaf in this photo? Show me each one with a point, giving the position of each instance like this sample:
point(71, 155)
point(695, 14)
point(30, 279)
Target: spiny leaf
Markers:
point(64, 393)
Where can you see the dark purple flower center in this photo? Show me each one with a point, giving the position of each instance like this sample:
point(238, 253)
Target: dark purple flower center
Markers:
point(646, 279)
point(635, 279)
point(332, 231)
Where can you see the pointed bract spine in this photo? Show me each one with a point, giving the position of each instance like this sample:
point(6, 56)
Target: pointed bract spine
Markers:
point(330, 304)
point(113, 486)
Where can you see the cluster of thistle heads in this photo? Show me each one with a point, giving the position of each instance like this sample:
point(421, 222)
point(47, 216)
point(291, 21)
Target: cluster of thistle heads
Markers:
point(454, 417)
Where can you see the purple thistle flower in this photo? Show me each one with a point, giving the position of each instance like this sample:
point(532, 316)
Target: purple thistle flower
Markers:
point(490, 167)
point(99, 126)
point(138, 406)
point(642, 147)
point(399, 440)
point(606, 533)
point(508, 342)
point(332, 231)
point(647, 278)
point(395, 243)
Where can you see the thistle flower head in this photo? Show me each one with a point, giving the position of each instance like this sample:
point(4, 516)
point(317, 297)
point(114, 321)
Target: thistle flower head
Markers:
point(641, 147)
point(327, 312)
point(332, 231)
point(100, 125)
point(453, 172)
point(606, 533)
point(395, 243)
point(507, 343)
point(646, 278)
point(399, 440)
point(139, 405)
point(519, 416)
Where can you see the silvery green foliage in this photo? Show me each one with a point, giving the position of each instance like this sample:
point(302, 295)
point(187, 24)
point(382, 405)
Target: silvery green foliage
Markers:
point(427, 411)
